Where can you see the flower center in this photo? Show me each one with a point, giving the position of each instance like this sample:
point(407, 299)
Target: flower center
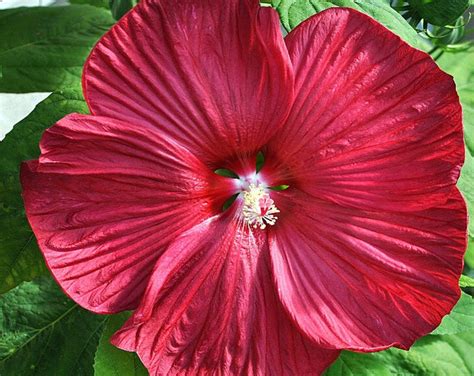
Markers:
point(255, 206)
point(258, 208)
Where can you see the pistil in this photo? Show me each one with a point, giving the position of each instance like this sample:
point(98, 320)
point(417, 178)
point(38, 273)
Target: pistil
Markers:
point(258, 208)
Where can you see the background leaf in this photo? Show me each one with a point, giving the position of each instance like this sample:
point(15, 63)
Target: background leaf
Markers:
point(353, 364)
point(109, 360)
point(466, 281)
point(20, 259)
point(96, 3)
point(439, 12)
point(469, 256)
point(460, 320)
point(45, 333)
point(120, 7)
point(44, 49)
point(430, 356)
point(293, 12)
point(460, 65)
point(466, 185)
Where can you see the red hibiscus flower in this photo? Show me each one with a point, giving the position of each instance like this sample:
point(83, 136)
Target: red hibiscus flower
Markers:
point(363, 250)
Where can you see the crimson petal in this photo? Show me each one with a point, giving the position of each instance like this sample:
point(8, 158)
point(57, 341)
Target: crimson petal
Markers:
point(214, 75)
point(366, 280)
point(369, 246)
point(104, 200)
point(211, 308)
point(375, 123)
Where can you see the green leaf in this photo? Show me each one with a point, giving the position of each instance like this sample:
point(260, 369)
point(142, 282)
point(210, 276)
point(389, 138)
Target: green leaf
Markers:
point(229, 201)
point(461, 318)
point(293, 12)
point(45, 333)
point(96, 3)
point(279, 187)
point(460, 66)
point(259, 162)
point(430, 356)
point(111, 361)
point(467, 281)
point(226, 173)
point(120, 7)
point(439, 12)
point(20, 259)
point(44, 49)
point(466, 185)
point(354, 364)
point(469, 256)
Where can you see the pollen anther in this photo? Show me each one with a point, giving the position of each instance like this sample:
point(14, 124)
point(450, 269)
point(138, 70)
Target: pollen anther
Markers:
point(258, 209)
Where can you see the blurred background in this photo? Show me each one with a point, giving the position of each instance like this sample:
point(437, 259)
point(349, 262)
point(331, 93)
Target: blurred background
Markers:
point(44, 53)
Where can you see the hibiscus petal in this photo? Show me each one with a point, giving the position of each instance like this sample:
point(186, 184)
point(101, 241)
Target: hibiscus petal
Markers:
point(214, 75)
point(366, 280)
point(211, 308)
point(104, 201)
point(375, 123)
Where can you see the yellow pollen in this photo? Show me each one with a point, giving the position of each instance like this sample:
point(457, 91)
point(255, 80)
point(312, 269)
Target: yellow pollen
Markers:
point(259, 208)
